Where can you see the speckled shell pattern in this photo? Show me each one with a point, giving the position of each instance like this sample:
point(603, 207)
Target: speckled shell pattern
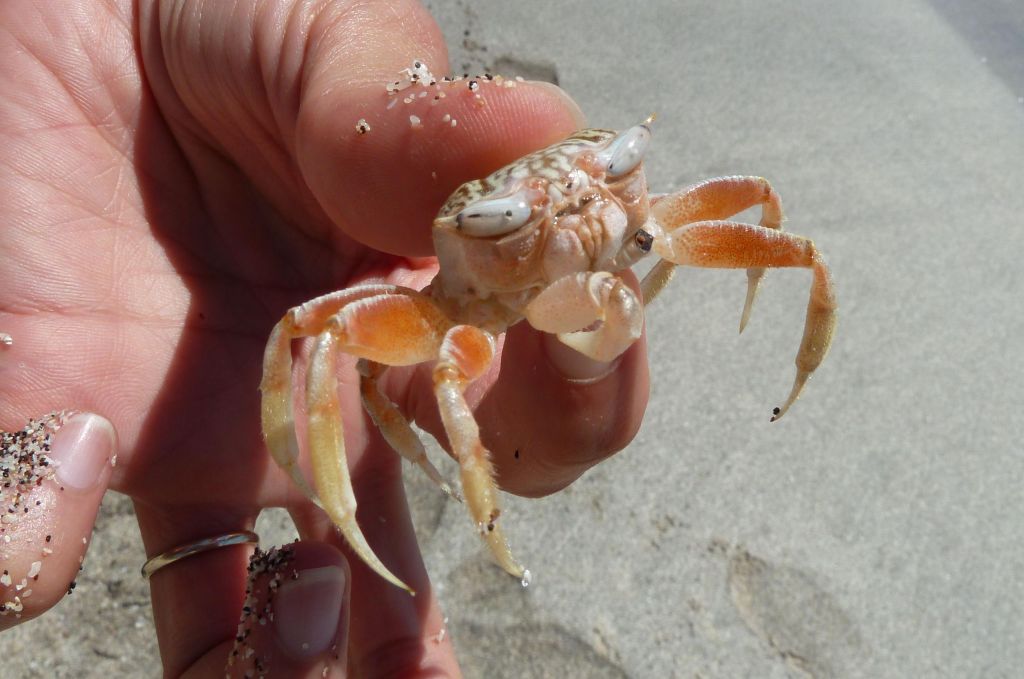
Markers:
point(551, 163)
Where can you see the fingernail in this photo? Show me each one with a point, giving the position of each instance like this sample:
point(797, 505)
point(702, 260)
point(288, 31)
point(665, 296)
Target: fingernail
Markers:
point(83, 447)
point(308, 610)
point(573, 365)
point(566, 100)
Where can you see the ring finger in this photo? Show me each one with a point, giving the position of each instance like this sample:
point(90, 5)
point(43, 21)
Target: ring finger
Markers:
point(225, 611)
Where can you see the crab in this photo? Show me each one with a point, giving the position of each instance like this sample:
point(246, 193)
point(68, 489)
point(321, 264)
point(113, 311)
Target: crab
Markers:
point(540, 240)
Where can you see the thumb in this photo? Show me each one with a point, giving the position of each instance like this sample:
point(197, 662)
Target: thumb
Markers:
point(279, 88)
point(294, 621)
point(381, 160)
point(55, 471)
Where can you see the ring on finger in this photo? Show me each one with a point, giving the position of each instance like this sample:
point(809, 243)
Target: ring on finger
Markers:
point(197, 547)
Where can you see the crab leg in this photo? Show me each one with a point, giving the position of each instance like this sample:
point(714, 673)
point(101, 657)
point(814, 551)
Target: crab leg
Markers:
point(393, 425)
point(327, 450)
point(278, 423)
point(387, 324)
point(719, 244)
point(465, 355)
point(394, 329)
point(717, 198)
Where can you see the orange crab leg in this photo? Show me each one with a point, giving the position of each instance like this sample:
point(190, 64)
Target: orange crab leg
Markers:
point(396, 329)
point(382, 323)
point(393, 425)
point(720, 244)
point(466, 353)
point(276, 387)
point(718, 198)
point(327, 451)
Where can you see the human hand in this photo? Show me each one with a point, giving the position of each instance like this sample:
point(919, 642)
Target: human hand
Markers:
point(175, 175)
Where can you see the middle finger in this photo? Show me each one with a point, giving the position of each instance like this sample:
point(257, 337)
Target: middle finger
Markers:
point(391, 633)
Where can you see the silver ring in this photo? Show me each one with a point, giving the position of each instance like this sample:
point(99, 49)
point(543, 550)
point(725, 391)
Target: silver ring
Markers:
point(197, 547)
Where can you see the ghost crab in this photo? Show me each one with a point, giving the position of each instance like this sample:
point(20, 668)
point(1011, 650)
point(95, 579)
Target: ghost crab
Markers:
point(540, 240)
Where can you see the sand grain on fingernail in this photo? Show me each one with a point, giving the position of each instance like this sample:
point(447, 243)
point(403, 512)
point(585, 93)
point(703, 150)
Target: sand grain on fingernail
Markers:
point(269, 566)
point(25, 463)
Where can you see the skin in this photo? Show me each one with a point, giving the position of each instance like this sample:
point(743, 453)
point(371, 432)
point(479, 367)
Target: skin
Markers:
point(168, 188)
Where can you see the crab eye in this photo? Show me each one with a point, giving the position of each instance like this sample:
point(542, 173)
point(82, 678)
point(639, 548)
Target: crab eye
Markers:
point(643, 240)
point(494, 217)
point(627, 150)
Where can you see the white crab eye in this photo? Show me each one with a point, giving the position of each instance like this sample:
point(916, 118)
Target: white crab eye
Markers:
point(494, 217)
point(627, 150)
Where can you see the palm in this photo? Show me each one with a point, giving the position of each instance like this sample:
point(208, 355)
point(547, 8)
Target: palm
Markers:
point(205, 299)
point(147, 290)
